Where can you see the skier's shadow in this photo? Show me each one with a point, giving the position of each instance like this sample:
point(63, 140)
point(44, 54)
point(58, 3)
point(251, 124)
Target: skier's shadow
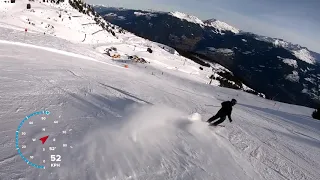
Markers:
point(107, 109)
point(125, 93)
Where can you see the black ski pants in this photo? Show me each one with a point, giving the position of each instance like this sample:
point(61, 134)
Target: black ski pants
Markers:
point(218, 115)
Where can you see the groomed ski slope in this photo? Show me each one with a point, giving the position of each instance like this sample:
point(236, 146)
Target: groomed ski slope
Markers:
point(145, 121)
point(128, 124)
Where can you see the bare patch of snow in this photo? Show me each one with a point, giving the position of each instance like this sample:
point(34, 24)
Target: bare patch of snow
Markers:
point(310, 80)
point(294, 77)
point(246, 87)
point(168, 49)
point(110, 14)
point(186, 17)
point(280, 43)
point(218, 68)
point(303, 70)
point(121, 18)
point(291, 62)
point(145, 14)
point(304, 55)
point(306, 91)
point(222, 50)
point(221, 26)
point(211, 48)
point(247, 52)
point(244, 40)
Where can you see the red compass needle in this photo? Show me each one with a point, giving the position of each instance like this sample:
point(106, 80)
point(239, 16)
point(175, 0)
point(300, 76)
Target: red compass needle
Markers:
point(43, 139)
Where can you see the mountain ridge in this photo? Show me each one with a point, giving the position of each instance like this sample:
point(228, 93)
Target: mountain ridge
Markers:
point(88, 27)
point(285, 43)
point(257, 60)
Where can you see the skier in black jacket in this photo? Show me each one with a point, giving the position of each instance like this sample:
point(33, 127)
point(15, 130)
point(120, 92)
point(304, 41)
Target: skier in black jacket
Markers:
point(223, 112)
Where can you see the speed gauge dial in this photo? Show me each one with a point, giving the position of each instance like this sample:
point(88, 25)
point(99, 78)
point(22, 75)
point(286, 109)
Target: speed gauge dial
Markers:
point(41, 140)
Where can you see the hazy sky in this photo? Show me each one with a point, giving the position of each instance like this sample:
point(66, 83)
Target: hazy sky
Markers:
point(296, 21)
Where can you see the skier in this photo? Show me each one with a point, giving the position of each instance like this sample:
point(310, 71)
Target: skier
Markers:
point(223, 112)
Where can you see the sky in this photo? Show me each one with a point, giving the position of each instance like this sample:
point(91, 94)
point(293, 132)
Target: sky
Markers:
point(296, 21)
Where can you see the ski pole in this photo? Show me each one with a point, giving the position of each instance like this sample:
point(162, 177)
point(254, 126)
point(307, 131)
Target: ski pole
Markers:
point(211, 105)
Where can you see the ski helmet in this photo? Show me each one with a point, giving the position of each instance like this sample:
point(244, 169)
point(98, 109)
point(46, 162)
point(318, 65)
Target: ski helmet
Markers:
point(234, 101)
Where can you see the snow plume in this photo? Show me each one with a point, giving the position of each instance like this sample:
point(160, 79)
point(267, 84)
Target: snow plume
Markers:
point(134, 145)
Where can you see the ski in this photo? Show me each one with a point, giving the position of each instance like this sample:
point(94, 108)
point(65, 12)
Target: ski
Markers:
point(217, 125)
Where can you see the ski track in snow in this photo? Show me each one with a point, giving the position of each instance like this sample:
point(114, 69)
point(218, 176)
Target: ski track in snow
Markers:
point(56, 51)
point(141, 122)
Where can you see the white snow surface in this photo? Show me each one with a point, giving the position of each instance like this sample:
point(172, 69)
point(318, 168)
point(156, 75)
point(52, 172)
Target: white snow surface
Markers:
point(111, 14)
point(280, 43)
point(311, 80)
point(221, 50)
point(221, 26)
point(298, 51)
point(304, 55)
point(294, 77)
point(218, 25)
point(225, 50)
point(44, 18)
point(144, 14)
point(140, 122)
point(168, 48)
point(291, 62)
point(186, 17)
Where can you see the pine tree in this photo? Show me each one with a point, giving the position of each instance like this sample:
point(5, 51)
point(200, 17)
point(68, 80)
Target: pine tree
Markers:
point(114, 34)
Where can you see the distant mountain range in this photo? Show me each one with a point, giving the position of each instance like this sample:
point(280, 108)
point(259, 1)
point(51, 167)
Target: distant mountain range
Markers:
point(283, 71)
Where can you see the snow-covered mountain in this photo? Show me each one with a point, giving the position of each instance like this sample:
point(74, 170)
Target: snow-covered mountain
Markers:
point(123, 107)
point(218, 25)
point(221, 26)
point(300, 52)
point(253, 59)
point(60, 21)
point(186, 17)
point(86, 26)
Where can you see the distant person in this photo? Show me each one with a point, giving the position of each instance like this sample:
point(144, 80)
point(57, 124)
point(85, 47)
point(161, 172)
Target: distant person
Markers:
point(225, 111)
